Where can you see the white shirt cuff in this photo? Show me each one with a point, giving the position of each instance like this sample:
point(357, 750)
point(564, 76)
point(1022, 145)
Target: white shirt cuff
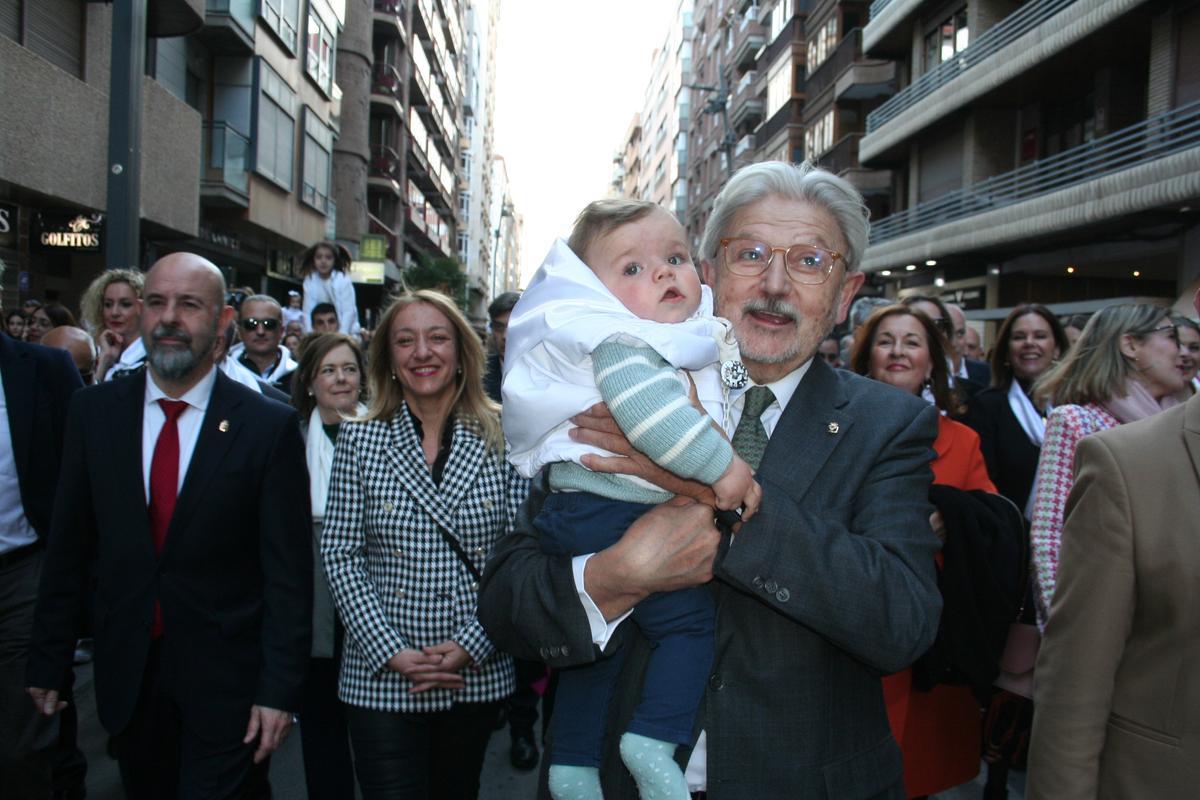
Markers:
point(602, 629)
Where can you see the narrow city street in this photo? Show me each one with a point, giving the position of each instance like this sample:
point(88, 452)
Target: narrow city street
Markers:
point(499, 781)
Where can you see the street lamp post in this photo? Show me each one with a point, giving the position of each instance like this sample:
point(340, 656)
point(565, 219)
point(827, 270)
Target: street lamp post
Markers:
point(505, 211)
point(720, 105)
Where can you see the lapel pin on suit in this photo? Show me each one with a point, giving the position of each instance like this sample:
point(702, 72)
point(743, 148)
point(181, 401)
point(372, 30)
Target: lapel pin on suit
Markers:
point(223, 425)
point(833, 428)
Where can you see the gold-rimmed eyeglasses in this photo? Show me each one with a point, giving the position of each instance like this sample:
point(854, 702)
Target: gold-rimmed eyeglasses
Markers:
point(805, 263)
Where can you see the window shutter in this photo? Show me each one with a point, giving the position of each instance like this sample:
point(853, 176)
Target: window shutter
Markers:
point(54, 30)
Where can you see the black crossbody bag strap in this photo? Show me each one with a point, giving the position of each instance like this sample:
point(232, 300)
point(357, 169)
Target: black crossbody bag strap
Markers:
point(462, 554)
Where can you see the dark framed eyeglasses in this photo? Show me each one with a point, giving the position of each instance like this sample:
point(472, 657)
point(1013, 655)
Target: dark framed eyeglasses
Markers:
point(1172, 332)
point(269, 324)
point(805, 263)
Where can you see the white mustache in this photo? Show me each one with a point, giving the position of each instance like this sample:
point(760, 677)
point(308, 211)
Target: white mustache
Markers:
point(772, 305)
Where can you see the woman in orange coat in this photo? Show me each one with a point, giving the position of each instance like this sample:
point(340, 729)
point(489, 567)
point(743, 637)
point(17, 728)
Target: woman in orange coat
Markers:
point(939, 730)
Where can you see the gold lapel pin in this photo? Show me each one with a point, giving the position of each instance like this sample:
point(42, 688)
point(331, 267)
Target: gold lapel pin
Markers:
point(223, 425)
point(833, 427)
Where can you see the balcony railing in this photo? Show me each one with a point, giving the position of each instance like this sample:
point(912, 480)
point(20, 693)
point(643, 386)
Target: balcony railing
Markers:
point(385, 162)
point(387, 80)
point(1011, 28)
point(842, 156)
point(744, 145)
point(840, 60)
point(228, 157)
point(1154, 138)
point(229, 26)
point(877, 7)
point(747, 41)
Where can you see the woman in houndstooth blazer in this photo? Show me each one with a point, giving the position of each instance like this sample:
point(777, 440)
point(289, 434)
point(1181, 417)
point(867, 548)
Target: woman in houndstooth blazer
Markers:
point(424, 467)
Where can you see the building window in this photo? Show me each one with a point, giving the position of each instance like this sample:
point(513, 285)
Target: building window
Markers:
point(464, 248)
point(947, 39)
point(53, 29)
point(780, 15)
point(318, 158)
point(779, 84)
point(821, 46)
point(464, 204)
point(818, 139)
point(274, 127)
point(464, 162)
point(322, 45)
point(283, 17)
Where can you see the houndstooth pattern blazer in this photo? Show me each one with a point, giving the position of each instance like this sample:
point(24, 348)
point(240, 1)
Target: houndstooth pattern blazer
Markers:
point(395, 580)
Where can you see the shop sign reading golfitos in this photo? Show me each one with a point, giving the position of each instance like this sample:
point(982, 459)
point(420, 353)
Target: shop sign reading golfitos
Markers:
point(77, 232)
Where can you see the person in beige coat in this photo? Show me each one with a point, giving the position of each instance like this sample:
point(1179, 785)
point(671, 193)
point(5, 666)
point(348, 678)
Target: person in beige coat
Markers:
point(1118, 689)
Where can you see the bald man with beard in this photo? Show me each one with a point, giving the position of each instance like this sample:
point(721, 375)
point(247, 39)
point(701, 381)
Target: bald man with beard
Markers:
point(180, 485)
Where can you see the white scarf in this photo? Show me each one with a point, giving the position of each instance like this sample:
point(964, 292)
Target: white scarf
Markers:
point(1033, 423)
point(319, 454)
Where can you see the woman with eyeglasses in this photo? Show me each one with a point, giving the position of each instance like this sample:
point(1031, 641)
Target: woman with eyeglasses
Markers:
point(49, 316)
point(112, 313)
point(327, 388)
point(1124, 366)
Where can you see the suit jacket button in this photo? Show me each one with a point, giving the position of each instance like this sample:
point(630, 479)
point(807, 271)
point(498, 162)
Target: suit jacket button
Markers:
point(399, 593)
point(783, 595)
point(758, 582)
point(474, 586)
point(770, 587)
point(398, 553)
point(388, 507)
point(715, 682)
point(481, 551)
point(487, 504)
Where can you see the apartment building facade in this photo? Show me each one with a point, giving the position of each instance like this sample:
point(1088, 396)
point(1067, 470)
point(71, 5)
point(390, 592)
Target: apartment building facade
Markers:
point(239, 115)
point(1044, 151)
point(748, 67)
point(505, 273)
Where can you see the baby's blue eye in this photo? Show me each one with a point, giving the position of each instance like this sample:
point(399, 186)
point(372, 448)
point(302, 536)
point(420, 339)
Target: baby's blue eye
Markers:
point(676, 260)
point(633, 269)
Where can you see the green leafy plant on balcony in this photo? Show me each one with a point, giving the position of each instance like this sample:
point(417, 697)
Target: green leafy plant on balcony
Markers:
point(440, 274)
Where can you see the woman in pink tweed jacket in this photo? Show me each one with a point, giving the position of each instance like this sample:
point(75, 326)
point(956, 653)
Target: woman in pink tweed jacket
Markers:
point(1125, 366)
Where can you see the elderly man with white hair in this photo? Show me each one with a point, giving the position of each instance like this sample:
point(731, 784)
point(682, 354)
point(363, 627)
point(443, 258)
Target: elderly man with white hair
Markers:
point(829, 586)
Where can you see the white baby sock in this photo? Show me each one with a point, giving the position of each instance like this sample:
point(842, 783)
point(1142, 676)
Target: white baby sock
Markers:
point(653, 767)
point(569, 782)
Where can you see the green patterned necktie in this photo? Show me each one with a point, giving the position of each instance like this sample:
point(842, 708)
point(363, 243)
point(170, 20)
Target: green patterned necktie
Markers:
point(750, 438)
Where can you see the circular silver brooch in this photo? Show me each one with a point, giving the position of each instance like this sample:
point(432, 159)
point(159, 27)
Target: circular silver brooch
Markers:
point(733, 374)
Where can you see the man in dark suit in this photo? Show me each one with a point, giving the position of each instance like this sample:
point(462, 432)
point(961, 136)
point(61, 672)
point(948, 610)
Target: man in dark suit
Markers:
point(37, 383)
point(830, 586)
point(181, 485)
point(978, 372)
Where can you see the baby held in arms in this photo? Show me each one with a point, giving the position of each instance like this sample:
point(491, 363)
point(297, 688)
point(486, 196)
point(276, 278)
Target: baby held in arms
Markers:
point(617, 314)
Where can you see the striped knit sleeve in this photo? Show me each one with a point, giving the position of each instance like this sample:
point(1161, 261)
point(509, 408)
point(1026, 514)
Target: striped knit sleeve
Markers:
point(646, 399)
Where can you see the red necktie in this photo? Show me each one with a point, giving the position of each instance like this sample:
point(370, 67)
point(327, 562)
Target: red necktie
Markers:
point(164, 486)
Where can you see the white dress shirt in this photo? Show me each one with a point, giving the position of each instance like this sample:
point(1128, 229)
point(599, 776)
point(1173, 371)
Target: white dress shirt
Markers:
point(602, 629)
point(133, 357)
point(15, 529)
point(188, 423)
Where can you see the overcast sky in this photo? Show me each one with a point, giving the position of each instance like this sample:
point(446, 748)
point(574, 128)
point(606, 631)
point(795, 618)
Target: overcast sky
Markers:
point(570, 75)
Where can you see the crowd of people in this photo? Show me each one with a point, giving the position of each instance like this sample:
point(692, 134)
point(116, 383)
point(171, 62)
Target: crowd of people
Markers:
point(739, 555)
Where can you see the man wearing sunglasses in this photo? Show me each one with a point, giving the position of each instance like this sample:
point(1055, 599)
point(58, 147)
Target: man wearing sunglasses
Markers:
point(260, 322)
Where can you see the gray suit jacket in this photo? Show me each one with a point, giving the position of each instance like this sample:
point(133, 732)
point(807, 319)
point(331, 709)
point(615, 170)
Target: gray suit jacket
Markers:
point(828, 588)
